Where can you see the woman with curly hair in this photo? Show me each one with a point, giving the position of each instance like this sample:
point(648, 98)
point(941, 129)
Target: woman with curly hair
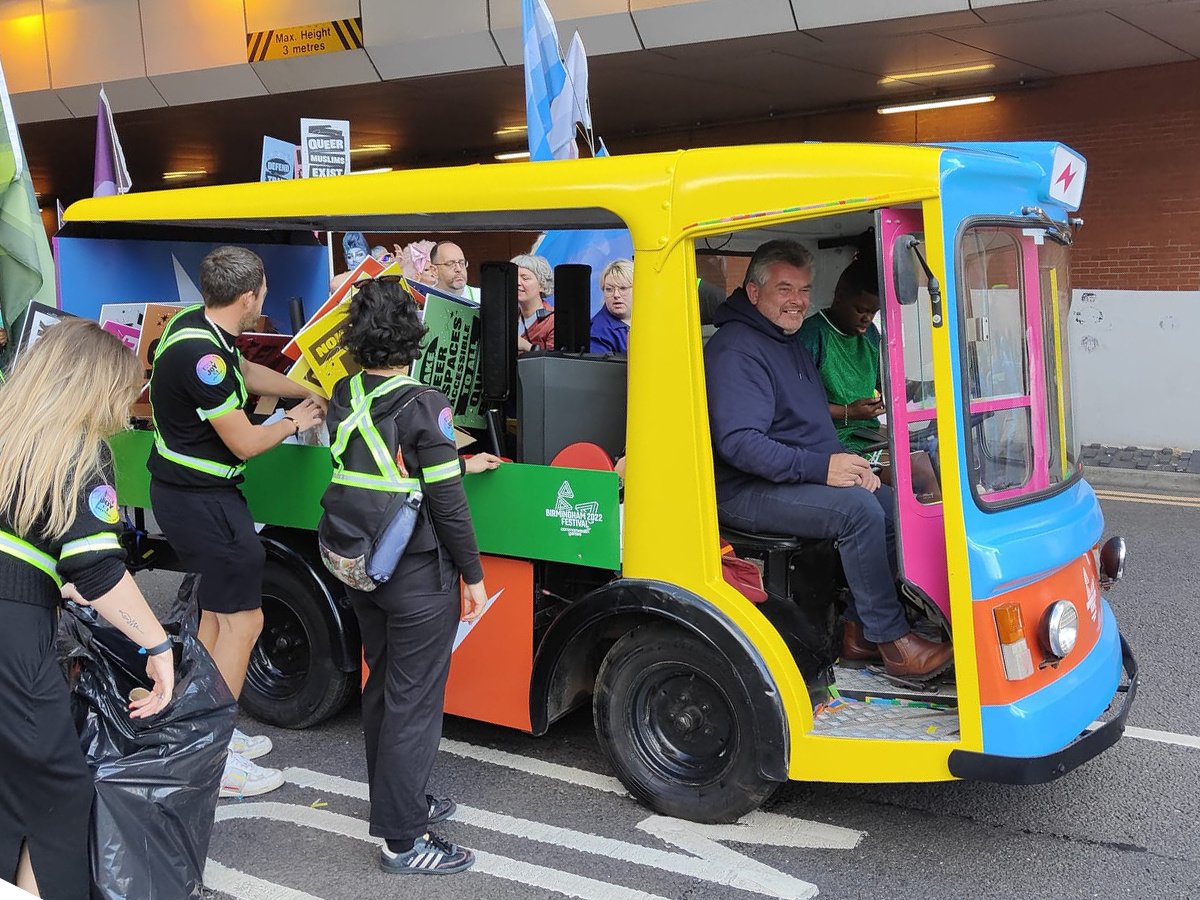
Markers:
point(66, 396)
point(408, 622)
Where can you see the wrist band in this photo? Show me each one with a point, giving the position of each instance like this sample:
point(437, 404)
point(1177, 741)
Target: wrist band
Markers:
point(157, 648)
point(294, 422)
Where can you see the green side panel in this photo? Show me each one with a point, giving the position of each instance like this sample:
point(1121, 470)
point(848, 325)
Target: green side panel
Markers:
point(529, 512)
point(547, 512)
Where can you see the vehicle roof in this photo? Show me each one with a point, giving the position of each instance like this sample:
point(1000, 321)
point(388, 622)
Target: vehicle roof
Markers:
point(657, 194)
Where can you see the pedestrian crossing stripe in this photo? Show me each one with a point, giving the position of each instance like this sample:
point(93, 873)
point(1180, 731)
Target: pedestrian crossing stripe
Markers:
point(333, 36)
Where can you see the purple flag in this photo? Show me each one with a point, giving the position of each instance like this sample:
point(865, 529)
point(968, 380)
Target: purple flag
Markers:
point(110, 175)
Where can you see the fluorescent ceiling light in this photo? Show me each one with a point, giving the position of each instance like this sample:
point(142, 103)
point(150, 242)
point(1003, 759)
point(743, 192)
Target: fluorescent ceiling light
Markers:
point(378, 171)
point(510, 130)
point(516, 154)
point(935, 104)
point(371, 148)
point(937, 73)
point(184, 173)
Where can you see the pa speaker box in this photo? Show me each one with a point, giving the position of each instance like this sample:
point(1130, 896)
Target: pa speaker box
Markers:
point(572, 307)
point(498, 329)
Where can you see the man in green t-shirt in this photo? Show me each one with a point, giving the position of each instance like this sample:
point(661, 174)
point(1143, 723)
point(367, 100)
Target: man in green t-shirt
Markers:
point(844, 343)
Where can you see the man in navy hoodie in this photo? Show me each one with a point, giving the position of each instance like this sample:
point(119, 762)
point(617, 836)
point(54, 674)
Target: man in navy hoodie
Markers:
point(780, 467)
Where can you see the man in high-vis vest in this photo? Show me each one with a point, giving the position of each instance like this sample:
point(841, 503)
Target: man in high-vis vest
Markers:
point(198, 390)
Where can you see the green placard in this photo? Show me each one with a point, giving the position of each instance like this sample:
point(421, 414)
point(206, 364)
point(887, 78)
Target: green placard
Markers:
point(531, 512)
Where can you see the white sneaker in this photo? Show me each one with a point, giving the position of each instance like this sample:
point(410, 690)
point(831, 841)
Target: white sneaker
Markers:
point(243, 778)
point(251, 746)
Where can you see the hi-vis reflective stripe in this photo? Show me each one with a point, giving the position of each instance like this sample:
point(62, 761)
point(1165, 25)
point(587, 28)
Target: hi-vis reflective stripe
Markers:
point(105, 540)
point(441, 472)
point(388, 477)
point(220, 470)
point(232, 403)
point(185, 334)
point(13, 546)
point(376, 482)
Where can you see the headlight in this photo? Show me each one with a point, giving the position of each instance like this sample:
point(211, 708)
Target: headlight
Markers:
point(1112, 561)
point(1062, 628)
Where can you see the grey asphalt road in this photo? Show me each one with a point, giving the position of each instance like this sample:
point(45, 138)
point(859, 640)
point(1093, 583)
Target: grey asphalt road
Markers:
point(1121, 826)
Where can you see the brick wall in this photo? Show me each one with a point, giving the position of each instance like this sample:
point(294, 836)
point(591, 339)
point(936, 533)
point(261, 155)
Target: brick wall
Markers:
point(1138, 128)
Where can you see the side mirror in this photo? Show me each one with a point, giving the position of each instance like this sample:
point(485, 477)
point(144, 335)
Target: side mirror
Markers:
point(572, 307)
point(904, 269)
point(498, 330)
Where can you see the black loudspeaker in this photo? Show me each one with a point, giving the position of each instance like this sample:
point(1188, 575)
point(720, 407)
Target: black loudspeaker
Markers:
point(296, 313)
point(498, 330)
point(572, 307)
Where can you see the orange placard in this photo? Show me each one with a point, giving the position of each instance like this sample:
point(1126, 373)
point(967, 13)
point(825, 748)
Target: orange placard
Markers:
point(368, 268)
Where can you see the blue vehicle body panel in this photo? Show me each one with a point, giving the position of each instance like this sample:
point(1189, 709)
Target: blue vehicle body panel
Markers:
point(1049, 719)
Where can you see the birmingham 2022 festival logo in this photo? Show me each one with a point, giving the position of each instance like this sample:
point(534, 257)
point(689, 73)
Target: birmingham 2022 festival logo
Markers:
point(575, 519)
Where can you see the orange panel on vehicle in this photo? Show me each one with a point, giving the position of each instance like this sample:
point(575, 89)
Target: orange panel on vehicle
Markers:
point(1076, 582)
point(493, 659)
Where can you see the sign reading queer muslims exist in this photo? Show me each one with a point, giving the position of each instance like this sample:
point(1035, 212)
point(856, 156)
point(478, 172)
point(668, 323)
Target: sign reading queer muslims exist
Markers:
point(324, 147)
point(278, 160)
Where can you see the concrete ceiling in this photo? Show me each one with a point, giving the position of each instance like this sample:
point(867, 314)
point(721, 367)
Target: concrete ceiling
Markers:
point(436, 87)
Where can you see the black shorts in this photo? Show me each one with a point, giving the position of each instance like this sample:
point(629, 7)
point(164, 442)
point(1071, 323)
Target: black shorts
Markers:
point(213, 534)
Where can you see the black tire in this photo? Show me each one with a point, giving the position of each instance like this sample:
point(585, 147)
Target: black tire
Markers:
point(676, 724)
point(292, 680)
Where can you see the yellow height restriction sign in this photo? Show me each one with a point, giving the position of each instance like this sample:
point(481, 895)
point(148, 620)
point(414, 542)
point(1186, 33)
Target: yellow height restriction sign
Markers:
point(304, 40)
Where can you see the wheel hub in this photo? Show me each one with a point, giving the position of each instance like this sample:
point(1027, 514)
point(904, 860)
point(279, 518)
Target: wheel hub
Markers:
point(683, 724)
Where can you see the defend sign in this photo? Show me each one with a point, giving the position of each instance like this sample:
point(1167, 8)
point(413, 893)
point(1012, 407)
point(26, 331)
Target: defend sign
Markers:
point(304, 40)
point(324, 147)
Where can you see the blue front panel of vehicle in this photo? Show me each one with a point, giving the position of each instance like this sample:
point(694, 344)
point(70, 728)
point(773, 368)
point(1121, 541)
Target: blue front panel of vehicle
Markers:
point(1010, 547)
point(1049, 719)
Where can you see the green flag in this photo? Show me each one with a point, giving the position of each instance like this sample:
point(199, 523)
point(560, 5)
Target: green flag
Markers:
point(26, 266)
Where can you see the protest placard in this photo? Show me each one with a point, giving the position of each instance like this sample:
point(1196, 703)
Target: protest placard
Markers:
point(324, 147)
point(324, 349)
point(122, 313)
point(368, 268)
point(127, 334)
point(278, 160)
point(153, 324)
point(450, 357)
point(301, 373)
point(38, 317)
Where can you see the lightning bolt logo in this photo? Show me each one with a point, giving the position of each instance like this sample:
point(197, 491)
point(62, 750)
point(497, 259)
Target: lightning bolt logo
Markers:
point(1065, 179)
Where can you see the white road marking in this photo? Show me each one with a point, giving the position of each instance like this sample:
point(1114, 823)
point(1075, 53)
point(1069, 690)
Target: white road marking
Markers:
point(712, 862)
point(243, 886)
point(1159, 737)
point(246, 887)
point(530, 766)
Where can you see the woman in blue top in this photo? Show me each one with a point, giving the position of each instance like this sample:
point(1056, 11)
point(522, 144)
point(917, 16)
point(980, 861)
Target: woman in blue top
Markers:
point(610, 326)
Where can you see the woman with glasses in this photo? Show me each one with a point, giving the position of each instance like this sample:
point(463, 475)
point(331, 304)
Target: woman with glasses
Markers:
point(610, 326)
point(535, 322)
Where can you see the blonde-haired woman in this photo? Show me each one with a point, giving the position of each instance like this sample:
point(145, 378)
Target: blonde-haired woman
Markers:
point(58, 538)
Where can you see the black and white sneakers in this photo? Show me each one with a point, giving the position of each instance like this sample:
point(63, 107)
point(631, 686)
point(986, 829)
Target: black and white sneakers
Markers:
point(430, 855)
point(440, 808)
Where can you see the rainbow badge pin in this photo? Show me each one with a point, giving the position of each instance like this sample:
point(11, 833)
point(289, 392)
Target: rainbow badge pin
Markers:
point(211, 369)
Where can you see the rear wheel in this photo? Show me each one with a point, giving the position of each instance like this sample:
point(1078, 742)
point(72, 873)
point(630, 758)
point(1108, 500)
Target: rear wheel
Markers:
point(676, 723)
point(292, 680)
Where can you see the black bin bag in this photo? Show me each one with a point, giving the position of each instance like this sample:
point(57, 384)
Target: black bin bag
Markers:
point(156, 779)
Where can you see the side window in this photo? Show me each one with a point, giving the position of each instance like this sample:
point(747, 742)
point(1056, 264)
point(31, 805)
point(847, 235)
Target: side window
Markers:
point(920, 412)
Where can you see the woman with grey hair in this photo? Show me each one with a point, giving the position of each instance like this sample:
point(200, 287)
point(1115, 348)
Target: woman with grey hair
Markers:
point(535, 282)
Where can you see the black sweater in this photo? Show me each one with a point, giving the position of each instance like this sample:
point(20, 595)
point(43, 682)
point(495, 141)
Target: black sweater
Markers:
point(423, 433)
point(87, 556)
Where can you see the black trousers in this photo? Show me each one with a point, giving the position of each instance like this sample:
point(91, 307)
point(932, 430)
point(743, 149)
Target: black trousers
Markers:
point(46, 789)
point(408, 627)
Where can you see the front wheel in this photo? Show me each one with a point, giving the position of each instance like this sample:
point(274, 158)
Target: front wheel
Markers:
point(676, 723)
point(292, 680)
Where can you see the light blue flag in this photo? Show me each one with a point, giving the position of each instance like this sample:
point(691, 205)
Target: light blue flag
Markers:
point(545, 75)
point(547, 81)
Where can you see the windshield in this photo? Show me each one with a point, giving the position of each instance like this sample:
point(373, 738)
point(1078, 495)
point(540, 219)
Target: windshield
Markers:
point(1014, 297)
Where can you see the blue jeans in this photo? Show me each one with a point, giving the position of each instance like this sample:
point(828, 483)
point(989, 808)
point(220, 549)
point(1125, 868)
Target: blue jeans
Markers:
point(861, 523)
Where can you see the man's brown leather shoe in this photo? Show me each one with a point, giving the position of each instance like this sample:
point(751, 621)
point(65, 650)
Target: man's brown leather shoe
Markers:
point(857, 651)
point(912, 656)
